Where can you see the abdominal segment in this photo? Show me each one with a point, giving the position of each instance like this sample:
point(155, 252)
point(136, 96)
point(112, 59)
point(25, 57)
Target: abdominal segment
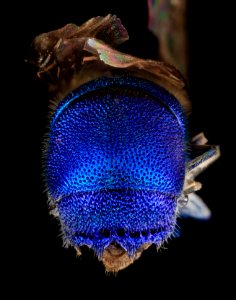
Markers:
point(115, 165)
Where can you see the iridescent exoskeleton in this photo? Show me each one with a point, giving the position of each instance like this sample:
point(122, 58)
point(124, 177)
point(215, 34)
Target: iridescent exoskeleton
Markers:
point(117, 165)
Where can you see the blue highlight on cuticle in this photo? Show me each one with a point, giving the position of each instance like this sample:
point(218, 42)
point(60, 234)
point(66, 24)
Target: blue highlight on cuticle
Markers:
point(116, 159)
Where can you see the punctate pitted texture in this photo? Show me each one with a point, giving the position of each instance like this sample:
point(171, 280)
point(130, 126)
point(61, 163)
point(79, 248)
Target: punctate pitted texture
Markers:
point(116, 169)
point(115, 162)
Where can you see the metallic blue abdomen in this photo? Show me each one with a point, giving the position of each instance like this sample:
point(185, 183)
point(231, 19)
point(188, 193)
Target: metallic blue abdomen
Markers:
point(116, 160)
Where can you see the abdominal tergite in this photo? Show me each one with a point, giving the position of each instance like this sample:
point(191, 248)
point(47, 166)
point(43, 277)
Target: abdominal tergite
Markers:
point(117, 164)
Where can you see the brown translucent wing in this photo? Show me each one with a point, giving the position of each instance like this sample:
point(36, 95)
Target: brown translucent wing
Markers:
point(59, 43)
point(160, 73)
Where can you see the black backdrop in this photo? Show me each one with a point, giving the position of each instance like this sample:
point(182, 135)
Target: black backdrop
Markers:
point(193, 264)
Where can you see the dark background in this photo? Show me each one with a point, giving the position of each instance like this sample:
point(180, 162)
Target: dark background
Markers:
point(196, 263)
